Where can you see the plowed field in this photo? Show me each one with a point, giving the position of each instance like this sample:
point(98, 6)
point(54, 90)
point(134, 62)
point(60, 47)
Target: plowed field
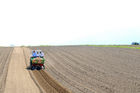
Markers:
point(20, 79)
point(5, 54)
point(89, 69)
point(79, 69)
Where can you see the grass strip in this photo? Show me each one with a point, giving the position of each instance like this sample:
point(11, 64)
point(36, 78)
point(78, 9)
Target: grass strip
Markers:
point(118, 46)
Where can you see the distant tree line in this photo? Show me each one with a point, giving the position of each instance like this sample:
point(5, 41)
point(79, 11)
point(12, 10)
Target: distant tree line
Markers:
point(135, 43)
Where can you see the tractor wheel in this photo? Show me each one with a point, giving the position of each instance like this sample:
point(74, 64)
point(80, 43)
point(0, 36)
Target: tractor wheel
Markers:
point(38, 68)
point(32, 67)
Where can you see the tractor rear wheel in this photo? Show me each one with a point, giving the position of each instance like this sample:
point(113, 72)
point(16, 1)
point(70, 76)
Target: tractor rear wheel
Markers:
point(38, 68)
point(32, 67)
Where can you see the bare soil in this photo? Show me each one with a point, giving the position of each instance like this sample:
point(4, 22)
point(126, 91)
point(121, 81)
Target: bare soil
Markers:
point(5, 54)
point(18, 78)
point(89, 69)
point(45, 82)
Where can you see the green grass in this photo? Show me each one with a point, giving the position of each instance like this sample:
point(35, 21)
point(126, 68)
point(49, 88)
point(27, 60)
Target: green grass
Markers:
point(118, 46)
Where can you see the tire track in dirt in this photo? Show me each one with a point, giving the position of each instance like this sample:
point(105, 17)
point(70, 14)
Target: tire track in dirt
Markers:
point(30, 72)
point(114, 68)
point(73, 56)
point(85, 65)
point(130, 80)
point(72, 85)
point(18, 79)
point(72, 71)
point(66, 73)
point(68, 83)
point(5, 55)
point(45, 80)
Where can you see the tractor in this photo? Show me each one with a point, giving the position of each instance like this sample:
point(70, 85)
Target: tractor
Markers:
point(37, 61)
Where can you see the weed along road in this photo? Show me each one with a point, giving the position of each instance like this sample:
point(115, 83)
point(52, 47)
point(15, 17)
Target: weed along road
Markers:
point(18, 79)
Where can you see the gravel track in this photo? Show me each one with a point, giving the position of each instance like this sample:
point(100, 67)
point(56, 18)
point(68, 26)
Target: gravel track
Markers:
point(89, 69)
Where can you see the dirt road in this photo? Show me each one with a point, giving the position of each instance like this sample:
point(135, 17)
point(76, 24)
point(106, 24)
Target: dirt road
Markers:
point(88, 69)
point(18, 78)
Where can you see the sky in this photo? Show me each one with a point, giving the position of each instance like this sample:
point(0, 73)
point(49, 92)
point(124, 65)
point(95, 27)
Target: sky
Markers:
point(69, 22)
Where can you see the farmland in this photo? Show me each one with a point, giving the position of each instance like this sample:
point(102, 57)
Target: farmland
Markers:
point(5, 54)
point(89, 69)
point(71, 69)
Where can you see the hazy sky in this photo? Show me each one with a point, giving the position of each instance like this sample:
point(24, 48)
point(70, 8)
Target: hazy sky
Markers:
point(58, 22)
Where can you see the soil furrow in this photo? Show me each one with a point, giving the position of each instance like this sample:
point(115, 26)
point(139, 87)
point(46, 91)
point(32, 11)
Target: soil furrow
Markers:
point(103, 69)
point(46, 81)
point(4, 66)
